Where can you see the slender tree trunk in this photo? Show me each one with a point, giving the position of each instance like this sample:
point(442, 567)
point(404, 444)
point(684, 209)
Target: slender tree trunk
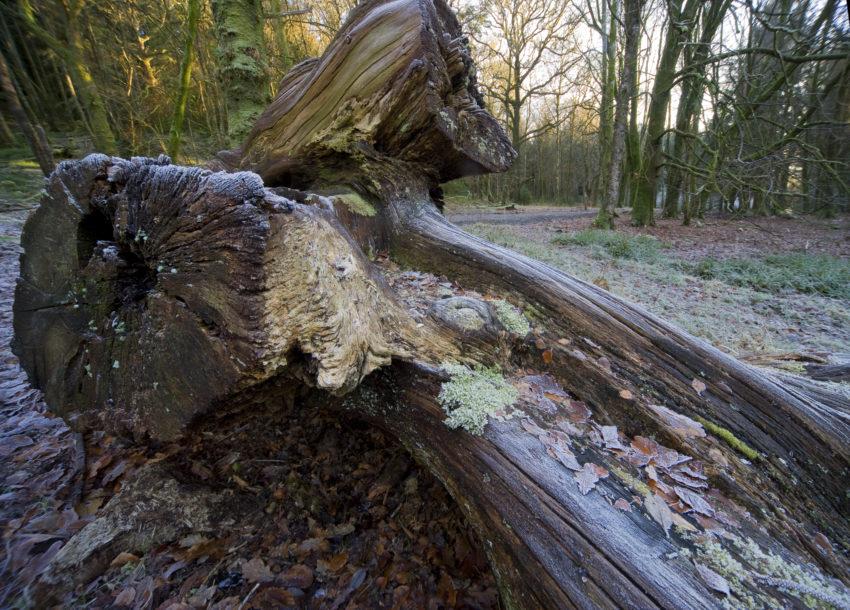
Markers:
point(72, 51)
point(625, 93)
point(609, 90)
point(102, 134)
point(633, 159)
point(34, 134)
point(689, 104)
point(193, 16)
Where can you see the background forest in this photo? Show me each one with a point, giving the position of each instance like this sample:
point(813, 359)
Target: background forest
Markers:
point(679, 105)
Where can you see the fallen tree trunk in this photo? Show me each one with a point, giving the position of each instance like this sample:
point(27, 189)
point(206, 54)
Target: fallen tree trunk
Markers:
point(606, 458)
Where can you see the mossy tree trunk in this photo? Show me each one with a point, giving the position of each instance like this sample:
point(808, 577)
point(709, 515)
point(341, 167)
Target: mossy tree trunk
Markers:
point(242, 66)
point(625, 96)
point(70, 48)
point(688, 493)
point(681, 20)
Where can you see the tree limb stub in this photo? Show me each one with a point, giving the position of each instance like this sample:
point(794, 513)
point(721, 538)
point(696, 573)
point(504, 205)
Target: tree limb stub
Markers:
point(622, 461)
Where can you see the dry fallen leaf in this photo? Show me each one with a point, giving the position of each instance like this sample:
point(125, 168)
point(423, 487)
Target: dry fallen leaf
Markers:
point(623, 505)
point(531, 427)
point(626, 395)
point(680, 522)
point(680, 424)
point(714, 580)
point(298, 575)
point(122, 559)
point(547, 356)
point(695, 501)
point(587, 478)
point(698, 386)
point(612, 440)
point(684, 479)
point(256, 570)
point(563, 455)
point(658, 510)
point(125, 598)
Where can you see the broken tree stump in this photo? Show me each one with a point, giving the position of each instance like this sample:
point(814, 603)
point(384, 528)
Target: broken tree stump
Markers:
point(606, 458)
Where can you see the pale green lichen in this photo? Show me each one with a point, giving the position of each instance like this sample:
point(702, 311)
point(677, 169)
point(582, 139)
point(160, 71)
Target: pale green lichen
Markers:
point(713, 555)
point(472, 395)
point(730, 439)
point(356, 204)
point(511, 318)
point(811, 589)
point(467, 318)
point(758, 568)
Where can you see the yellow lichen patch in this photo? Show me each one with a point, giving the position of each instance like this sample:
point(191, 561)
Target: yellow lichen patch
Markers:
point(630, 481)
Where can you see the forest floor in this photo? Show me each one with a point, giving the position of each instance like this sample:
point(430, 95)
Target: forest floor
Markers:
point(751, 286)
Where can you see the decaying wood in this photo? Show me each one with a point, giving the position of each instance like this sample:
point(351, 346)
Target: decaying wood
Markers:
point(149, 293)
point(638, 466)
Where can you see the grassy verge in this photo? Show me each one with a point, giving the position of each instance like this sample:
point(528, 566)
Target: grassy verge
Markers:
point(614, 244)
point(21, 180)
point(798, 272)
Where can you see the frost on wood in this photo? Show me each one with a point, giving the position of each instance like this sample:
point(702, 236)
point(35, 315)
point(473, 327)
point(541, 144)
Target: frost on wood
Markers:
point(169, 289)
point(473, 395)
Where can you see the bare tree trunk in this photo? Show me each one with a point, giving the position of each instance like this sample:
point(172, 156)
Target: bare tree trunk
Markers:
point(625, 95)
point(609, 88)
point(263, 290)
point(678, 26)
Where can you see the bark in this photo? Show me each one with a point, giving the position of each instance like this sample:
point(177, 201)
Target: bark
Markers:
point(33, 134)
point(680, 21)
point(609, 90)
point(172, 295)
point(7, 138)
point(194, 14)
point(689, 104)
point(625, 95)
point(239, 33)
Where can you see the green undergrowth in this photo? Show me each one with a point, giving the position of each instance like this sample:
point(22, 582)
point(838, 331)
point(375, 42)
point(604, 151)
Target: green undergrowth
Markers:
point(614, 244)
point(806, 273)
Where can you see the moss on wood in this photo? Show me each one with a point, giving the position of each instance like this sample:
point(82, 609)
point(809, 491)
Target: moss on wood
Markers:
point(730, 439)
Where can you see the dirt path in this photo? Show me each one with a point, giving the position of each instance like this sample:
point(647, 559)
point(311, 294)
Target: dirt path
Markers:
point(519, 216)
